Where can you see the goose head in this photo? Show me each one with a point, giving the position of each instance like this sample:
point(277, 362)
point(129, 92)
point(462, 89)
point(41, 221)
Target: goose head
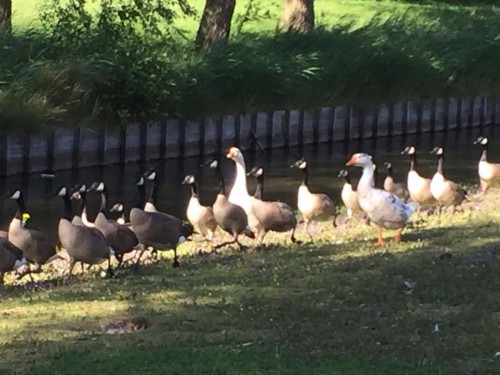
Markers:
point(438, 151)
point(410, 150)
point(300, 164)
point(189, 180)
point(16, 194)
point(481, 141)
point(97, 186)
point(140, 181)
point(150, 175)
point(236, 155)
point(62, 192)
point(256, 172)
point(212, 163)
point(77, 191)
point(117, 207)
point(360, 159)
point(387, 165)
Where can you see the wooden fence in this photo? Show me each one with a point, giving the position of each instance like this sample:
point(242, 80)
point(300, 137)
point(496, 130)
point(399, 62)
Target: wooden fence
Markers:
point(68, 148)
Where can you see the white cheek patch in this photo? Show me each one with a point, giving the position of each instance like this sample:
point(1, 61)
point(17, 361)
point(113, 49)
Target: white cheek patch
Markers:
point(16, 195)
point(484, 141)
point(100, 187)
point(63, 192)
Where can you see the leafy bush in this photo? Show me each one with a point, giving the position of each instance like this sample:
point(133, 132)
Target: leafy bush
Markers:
point(129, 62)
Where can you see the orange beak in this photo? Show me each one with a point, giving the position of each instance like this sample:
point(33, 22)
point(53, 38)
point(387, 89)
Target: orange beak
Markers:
point(351, 161)
point(231, 153)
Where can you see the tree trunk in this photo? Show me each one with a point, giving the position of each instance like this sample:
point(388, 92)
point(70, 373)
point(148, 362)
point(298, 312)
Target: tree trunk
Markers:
point(298, 15)
point(215, 23)
point(6, 15)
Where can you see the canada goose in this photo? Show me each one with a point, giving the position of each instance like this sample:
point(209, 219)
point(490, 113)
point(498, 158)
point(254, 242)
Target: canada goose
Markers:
point(446, 192)
point(239, 193)
point(383, 208)
point(397, 188)
point(312, 206)
point(11, 258)
point(201, 217)
point(157, 229)
point(231, 217)
point(349, 195)
point(120, 237)
point(120, 211)
point(83, 244)
point(36, 247)
point(273, 216)
point(489, 173)
point(419, 187)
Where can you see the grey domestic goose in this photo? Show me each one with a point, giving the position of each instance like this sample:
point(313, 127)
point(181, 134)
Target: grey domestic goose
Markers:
point(273, 216)
point(384, 209)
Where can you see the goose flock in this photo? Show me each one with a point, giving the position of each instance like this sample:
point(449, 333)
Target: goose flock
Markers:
point(25, 250)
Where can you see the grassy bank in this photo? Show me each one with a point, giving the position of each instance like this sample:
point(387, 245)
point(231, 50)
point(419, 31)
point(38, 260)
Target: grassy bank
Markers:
point(364, 53)
point(429, 305)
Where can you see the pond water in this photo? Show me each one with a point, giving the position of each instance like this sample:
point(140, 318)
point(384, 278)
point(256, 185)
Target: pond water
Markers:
point(281, 182)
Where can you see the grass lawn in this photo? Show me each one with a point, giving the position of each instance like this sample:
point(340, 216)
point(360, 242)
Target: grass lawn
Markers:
point(336, 306)
point(328, 12)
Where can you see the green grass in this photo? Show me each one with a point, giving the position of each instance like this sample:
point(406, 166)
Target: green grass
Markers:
point(335, 306)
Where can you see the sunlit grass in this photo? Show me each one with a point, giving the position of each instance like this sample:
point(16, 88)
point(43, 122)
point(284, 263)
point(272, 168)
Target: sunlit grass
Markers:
point(428, 305)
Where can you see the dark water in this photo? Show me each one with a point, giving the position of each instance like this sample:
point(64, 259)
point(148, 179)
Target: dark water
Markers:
point(281, 182)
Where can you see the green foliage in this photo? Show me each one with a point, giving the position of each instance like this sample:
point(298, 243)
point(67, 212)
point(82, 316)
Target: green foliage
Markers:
point(130, 61)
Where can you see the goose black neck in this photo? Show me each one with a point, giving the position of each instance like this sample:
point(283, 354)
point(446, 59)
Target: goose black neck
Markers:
point(104, 201)
point(389, 171)
point(413, 162)
point(347, 179)
point(222, 185)
point(194, 190)
point(484, 155)
point(21, 207)
point(305, 180)
point(153, 195)
point(260, 187)
point(67, 207)
point(440, 164)
point(142, 196)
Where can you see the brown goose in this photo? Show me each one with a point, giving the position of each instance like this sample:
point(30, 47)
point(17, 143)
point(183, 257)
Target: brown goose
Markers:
point(273, 216)
point(231, 217)
point(118, 236)
point(312, 206)
point(445, 191)
point(11, 258)
point(489, 173)
point(419, 187)
point(397, 188)
point(201, 217)
point(157, 229)
point(83, 244)
point(36, 247)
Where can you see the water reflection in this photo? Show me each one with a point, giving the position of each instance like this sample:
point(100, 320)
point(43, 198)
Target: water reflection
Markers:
point(281, 182)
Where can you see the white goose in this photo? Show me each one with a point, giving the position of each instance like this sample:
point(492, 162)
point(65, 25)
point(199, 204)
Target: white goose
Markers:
point(383, 208)
point(239, 193)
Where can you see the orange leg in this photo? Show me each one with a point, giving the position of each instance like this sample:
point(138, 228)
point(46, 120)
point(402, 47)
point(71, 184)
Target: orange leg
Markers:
point(380, 241)
point(397, 236)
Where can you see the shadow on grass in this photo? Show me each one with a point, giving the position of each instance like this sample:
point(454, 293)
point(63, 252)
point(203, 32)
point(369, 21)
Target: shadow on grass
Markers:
point(300, 309)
